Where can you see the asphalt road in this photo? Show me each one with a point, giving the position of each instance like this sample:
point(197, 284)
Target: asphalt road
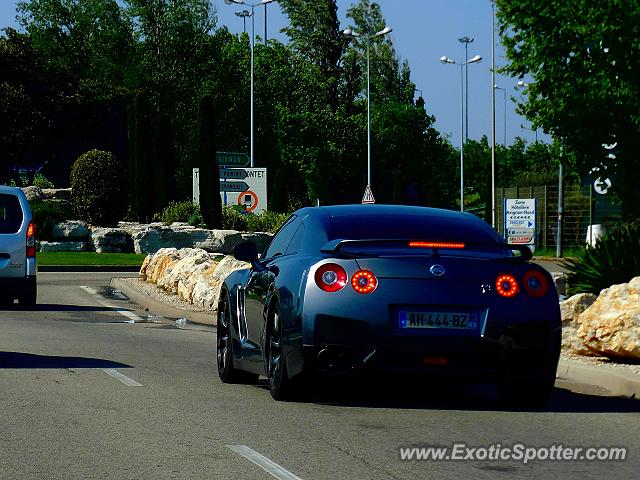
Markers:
point(85, 395)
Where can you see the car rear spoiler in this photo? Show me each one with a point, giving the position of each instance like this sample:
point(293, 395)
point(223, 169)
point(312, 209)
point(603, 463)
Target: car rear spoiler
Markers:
point(336, 247)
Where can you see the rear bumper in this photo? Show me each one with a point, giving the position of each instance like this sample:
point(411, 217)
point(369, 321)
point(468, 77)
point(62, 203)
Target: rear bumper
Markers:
point(525, 350)
point(17, 286)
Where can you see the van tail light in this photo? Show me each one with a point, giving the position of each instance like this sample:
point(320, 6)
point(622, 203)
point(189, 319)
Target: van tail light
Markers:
point(331, 277)
point(507, 285)
point(363, 281)
point(31, 240)
point(535, 283)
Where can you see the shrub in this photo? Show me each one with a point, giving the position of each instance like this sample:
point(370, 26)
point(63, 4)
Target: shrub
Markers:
point(97, 188)
point(180, 212)
point(614, 259)
point(233, 219)
point(48, 212)
point(39, 180)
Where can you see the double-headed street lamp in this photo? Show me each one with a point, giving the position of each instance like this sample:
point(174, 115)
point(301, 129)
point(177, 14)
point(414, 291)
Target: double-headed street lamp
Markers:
point(350, 33)
point(244, 14)
point(252, 15)
point(450, 61)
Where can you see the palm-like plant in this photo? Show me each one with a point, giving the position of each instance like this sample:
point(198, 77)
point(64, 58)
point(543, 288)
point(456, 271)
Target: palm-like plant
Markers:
point(614, 259)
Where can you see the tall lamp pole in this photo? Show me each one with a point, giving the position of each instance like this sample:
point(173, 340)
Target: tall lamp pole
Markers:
point(244, 14)
point(446, 60)
point(466, 41)
point(493, 115)
point(253, 24)
point(368, 36)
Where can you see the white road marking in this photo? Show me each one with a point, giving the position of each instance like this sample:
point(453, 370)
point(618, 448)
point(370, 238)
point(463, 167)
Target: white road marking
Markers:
point(122, 378)
point(263, 462)
point(122, 311)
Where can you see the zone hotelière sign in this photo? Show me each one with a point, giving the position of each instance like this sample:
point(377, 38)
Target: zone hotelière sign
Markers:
point(520, 221)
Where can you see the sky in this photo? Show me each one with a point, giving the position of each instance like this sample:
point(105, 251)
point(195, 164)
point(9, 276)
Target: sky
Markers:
point(423, 31)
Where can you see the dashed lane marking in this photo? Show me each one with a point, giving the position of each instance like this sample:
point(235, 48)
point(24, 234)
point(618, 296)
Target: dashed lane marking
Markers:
point(263, 462)
point(122, 311)
point(121, 378)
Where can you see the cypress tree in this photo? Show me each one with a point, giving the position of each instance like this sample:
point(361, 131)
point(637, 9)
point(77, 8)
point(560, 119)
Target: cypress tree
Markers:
point(210, 202)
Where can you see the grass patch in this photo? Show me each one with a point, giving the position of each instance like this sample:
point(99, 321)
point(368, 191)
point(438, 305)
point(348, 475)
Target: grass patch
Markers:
point(571, 252)
point(89, 258)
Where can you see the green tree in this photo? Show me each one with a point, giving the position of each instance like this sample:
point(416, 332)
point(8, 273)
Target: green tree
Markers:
point(92, 40)
point(583, 57)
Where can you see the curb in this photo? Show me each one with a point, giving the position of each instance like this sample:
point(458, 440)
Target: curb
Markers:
point(88, 268)
point(618, 383)
point(160, 308)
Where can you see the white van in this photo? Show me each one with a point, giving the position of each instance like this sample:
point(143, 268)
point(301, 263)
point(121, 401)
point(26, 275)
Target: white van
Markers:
point(17, 249)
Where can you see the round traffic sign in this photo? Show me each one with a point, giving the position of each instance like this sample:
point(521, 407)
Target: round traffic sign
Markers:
point(249, 199)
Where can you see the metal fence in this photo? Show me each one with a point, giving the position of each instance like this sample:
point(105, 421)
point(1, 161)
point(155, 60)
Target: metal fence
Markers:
point(582, 208)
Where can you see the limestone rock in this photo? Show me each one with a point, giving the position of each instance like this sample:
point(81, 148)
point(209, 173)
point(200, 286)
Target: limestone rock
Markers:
point(72, 229)
point(33, 193)
point(56, 193)
point(110, 240)
point(560, 281)
point(611, 326)
point(571, 308)
point(223, 241)
point(152, 239)
point(62, 246)
point(207, 288)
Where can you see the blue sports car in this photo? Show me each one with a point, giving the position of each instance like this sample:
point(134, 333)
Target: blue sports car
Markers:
point(382, 289)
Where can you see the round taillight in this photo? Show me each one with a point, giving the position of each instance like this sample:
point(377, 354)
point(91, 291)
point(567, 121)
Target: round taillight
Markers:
point(535, 283)
point(331, 277)
point(507, 286)
point(363, 281)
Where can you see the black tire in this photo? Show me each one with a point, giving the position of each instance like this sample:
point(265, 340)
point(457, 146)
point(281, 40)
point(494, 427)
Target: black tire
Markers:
point(28, 300)
point(224, 347)
point(526, 393)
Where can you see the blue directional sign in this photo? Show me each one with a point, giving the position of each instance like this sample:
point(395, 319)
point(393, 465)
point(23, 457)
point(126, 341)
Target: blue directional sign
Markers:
point(233, 173)
point(233, 187)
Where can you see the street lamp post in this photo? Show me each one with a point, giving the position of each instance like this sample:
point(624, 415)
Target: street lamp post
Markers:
point(244, 14)
point(447, 60)
point(466, 41)
point(252, 15)
point(368, 36)
point(504, 93)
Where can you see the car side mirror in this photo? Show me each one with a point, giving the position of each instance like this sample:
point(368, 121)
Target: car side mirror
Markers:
point(245, 252)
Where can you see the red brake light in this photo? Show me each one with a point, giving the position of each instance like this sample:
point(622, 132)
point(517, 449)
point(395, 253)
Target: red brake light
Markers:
point(507, 285)
point(31, 240)
point(331, 277)
point(535, 283)
point(363, 281)
point(436, 244)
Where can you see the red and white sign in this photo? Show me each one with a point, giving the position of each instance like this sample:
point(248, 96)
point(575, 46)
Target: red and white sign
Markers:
point(368, 195)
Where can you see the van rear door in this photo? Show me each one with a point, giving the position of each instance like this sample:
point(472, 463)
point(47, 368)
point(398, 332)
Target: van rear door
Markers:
point(13, 236)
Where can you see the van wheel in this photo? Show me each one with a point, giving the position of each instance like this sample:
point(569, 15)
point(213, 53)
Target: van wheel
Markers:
point(28, 300)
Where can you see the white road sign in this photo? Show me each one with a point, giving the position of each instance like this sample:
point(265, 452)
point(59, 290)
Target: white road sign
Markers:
point(239, 186)
point(520, 220)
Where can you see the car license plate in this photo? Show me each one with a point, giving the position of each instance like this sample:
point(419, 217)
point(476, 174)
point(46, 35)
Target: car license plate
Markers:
point(437, 320)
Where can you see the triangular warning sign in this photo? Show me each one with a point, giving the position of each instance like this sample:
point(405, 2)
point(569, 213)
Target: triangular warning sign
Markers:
point(368, 195)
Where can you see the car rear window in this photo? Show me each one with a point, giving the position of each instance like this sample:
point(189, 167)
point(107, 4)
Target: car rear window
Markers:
point(411, 227)
point(10, 213)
